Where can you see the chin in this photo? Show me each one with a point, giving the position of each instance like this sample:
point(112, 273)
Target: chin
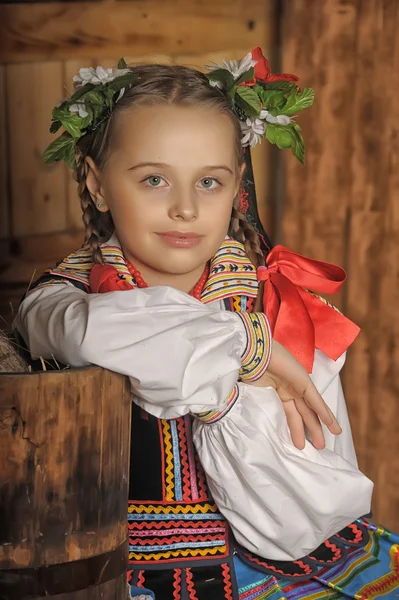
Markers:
point(180, 267)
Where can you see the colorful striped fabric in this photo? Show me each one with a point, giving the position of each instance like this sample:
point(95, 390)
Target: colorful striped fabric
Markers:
point(366, 573)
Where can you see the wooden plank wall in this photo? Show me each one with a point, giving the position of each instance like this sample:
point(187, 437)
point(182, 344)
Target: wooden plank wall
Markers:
point(42, 46)
point(344, 205)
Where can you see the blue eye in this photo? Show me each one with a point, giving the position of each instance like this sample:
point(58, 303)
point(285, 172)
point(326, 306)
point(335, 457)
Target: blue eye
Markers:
point(154, 180)
point(209, 183)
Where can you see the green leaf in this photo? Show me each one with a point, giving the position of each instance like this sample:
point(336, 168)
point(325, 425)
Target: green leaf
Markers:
point(298, 149)
point(74, 125)
point(248, 100)
point(284, 86)
point(298, 101)
point(122, 63)
point(61, 110)
point(287, 136)
point(247, 76)
point(55, 125)
point(224, 76)
point(272, 99)
point(60, 148)
point(94, 97)
point(123, 81)
point(70, 156)
point(81, 91)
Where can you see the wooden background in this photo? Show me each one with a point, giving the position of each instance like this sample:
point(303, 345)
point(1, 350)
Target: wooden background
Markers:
point(344, 206)
point(340, 207)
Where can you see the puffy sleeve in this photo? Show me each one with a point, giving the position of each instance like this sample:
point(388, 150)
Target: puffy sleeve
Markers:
point(281, 502)
point(180, 355)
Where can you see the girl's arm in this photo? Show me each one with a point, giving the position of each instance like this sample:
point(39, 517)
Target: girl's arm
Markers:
point(178, 352)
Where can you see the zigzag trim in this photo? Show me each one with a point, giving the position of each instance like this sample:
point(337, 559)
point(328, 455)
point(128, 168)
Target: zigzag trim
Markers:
point(227, 582)
point(307, 570)
point(184, 461)
point(176, 584)
point(168, 460)
point(175, 539)
point(201, 480)
point(177, 554)
point(179, 509)
point(137, 525)
point(190, 585)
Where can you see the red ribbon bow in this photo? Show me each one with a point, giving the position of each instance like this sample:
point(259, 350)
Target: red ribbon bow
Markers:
point(299, 320)
point(105, 278)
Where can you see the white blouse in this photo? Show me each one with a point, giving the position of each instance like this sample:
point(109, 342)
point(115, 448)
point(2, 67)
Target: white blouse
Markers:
point(183, 356)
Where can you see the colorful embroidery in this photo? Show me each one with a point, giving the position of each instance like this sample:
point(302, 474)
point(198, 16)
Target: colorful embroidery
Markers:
point(167, 438)
point(231, 274)
point(256, 356)
point(261, 590)
point(387, 582)
point(212, 416)
point(182, 531)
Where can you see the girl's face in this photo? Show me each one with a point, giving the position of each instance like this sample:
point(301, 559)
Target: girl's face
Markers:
point(169, 182)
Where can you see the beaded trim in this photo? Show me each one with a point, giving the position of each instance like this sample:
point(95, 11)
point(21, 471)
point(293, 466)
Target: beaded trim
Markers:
point(257, 353)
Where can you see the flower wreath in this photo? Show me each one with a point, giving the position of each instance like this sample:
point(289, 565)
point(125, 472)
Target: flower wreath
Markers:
point(265, 104)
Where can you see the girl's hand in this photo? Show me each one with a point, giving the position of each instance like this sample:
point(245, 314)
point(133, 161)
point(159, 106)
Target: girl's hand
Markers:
point(302, 403)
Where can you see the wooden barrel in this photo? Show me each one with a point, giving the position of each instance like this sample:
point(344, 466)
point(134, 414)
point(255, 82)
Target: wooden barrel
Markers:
point(64, 464)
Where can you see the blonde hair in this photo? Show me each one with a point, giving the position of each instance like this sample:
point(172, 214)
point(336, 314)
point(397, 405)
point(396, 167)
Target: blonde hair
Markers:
point(157, 84)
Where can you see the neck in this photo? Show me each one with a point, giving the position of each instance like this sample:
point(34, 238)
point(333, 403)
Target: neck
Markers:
point(184, 282)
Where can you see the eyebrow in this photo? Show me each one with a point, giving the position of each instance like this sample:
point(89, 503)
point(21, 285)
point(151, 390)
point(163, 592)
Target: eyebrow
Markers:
point(164, 166)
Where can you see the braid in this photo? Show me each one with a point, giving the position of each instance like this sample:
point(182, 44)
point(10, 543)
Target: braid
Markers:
point(98, 226)
point(243, 232)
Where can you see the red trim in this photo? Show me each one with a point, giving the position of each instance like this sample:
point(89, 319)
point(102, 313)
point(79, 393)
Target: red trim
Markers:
point(227, 581)
point(307, 570)
point(141, 579)
point(136, 525)
point(177, 584)
point(162, 448)
point(190, 585)
point(184, 460)
point(203, 494)
point(337, 552)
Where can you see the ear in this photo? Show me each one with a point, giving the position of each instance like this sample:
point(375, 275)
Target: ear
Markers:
point(93, 184)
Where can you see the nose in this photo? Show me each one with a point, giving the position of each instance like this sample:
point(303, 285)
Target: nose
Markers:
point(183, 205)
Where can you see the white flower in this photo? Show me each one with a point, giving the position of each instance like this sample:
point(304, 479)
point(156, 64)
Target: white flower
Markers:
point(79, 108)
point(121, 92)
point(253, 131)
point(216, 84)
point(280, 119)
point(98, 75)
point(235, 67)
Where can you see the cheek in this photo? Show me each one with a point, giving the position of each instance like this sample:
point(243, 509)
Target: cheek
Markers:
point(132, 210)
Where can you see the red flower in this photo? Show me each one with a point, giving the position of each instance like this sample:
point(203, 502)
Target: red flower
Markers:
point(263, 71)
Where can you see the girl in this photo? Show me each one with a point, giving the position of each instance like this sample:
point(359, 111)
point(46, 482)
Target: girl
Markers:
point(158, 157)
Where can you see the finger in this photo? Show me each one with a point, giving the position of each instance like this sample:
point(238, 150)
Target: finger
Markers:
point(312, 423)
point(314, 401)
point(295, 424)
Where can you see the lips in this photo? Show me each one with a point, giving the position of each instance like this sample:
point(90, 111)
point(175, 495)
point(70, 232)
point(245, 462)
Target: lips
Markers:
point(180, 239)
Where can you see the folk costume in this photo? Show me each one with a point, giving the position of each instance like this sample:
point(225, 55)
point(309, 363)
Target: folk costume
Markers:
point(188, 357)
